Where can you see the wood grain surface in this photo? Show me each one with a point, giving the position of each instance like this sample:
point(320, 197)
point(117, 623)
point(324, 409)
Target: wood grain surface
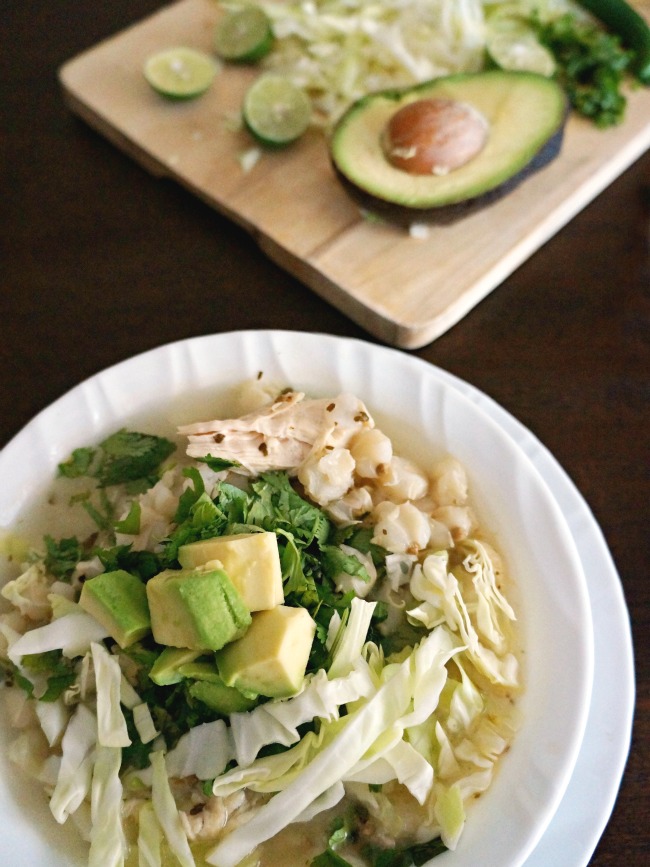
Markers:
point(403, 290)
point(101, 260)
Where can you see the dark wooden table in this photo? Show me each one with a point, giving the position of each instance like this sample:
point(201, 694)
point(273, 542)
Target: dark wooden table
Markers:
point(101, 261)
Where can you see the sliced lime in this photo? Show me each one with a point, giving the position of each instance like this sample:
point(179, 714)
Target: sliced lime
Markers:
point(518, 49)
point(275, 110)
point(243, 35)
point(180, 73)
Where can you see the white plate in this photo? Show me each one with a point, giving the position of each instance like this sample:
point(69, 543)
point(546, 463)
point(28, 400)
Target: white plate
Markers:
point(426, 414)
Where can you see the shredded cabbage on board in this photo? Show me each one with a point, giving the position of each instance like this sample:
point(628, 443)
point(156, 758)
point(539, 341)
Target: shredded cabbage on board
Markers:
point(341, 50)
point(406, 702)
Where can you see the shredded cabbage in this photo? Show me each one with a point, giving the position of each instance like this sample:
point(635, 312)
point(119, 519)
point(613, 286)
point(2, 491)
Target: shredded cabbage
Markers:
point(72, 633)
point(203, 751)
point(341, 50)
point(29, 592)
point(107, 839)
point(53, 717)
point(349, 642)
point(441, 600)
point(167, 813)
point(75, 772)
point(407, 695)
point(150, 837)
point(111, 725)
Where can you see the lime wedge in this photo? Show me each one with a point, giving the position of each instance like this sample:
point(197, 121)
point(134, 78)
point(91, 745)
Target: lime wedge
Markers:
point(243, 35)
point(180, 73)
point(275, 110)
point(517, 48)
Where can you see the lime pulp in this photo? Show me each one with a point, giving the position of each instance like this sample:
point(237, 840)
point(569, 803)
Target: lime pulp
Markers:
point(243, 35)
point(180, 73)
point(275, 110)
point(517, 48)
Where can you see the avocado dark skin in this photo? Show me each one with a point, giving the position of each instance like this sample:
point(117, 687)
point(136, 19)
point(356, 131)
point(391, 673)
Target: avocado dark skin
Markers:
point(393, 194)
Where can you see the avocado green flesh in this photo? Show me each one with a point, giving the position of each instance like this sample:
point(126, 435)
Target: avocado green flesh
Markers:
point(118, 600)
point(195, 609)
point(525, 113)
point(219, 697)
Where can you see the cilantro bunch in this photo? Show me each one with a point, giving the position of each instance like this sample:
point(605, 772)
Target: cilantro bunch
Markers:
point(591, 66)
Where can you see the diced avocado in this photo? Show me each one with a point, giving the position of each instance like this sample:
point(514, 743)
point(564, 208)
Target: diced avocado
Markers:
point(272, 657)
point(221, 698)
point(166, 668)
point(118, 600)
point(524, 114)
point(196, 609)
point(201, 669)
point(251, 561)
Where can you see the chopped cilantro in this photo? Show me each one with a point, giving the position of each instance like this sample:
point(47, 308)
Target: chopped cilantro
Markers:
point(125, 457)
point(58, 671)
point(412, 856)
point(345, 831)
point(78, 464)
point(307, 541)
point(131, 523)
point(278, 505)
point(136, 754)
point(173, 709)
point(591, 65)
point(144, 564)
point(128, 456)
point(104, 515)
point(61, 557)
point(218, 464)
point(337, 562)
point(360, 537)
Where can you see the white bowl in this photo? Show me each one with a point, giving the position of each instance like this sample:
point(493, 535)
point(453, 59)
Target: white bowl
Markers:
point(418, 407)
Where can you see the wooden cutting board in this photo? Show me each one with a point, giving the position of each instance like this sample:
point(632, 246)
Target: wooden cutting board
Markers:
point(403, 290)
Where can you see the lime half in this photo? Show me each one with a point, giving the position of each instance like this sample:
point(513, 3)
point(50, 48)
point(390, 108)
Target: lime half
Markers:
point(180, 73)
point(243, 35)
point(518, 49)
point(275, 110)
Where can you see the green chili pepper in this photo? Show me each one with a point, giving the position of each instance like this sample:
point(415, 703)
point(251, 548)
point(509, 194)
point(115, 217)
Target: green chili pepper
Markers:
point(632, 28)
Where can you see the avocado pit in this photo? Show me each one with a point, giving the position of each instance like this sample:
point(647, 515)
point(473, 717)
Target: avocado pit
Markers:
point(434, 136)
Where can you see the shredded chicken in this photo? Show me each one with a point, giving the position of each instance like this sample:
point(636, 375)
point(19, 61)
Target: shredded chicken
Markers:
point(281, 435)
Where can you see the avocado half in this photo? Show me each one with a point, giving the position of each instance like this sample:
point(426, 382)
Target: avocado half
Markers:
point(525, 113)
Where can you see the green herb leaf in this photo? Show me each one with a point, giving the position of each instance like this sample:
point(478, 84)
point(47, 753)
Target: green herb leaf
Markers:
point(61, 557)
point(125, 457)
point(59, 672)
point(128, 456)
point(136, 754)
point(78, 464)
point(412, 856)
point(278, 505)
point(144, 564)
point(591, 66)
point(218, 464)
point(190, 495)
point(104, 516)
point(131, 523)
point(337, 562)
